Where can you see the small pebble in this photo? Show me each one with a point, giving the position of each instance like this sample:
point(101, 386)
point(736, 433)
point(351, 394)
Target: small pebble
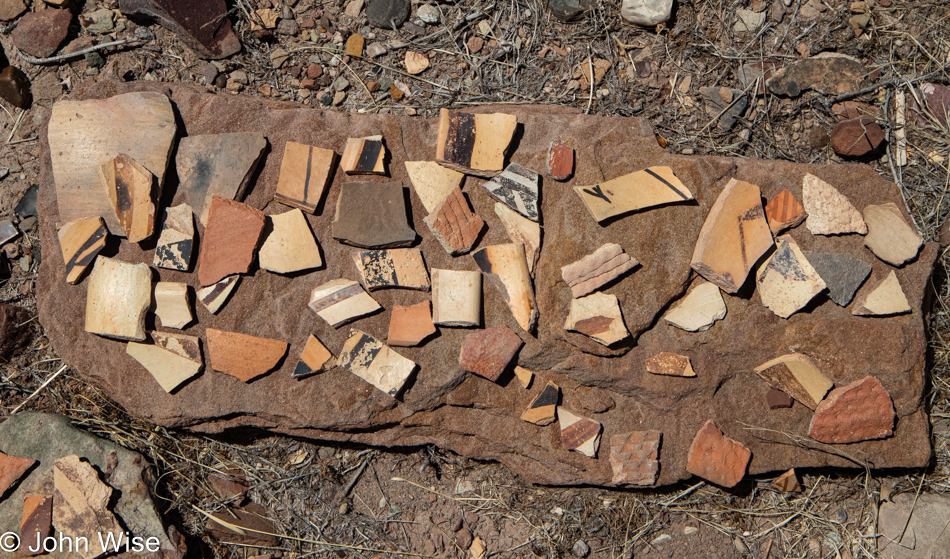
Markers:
point(690, 530)
point(339, 97)
point(429, 14)
point(25, 263)
point(661, 538)
point(581, 549)
point(344, 508)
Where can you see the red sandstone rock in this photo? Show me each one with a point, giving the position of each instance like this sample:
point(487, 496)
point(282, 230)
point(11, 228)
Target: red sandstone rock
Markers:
point(39, 34)
point(858, 412)
point(856, 137)
point(230, 241)
point(488, 352)
point(717, 458)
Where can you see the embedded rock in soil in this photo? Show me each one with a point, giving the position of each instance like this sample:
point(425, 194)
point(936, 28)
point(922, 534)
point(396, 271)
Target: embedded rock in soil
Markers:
point(203, 26)
point(14, 329)
point(447, 406)
point(39, 34)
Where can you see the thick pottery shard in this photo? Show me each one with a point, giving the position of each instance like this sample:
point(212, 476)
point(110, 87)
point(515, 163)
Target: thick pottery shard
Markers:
point(634, 457)
point(699, 310)
point(372, 215)
point(230, 241)
point(456, 298)
point(36, 524)
point(579, 433)
point(886, 299)
point(521, 230)
point(364, 156)
point(507, 269)
point(592, 272)
point(314, 359)
point(787, 482)
point(289, 246)
point(173, 304)
point(396, 268)
point(857, 412)
point(175, 247)
point(787, 282)
point(81, 505)
point(488, 352)
point(560, 163)
point(117, 299)
point(81, 241)
point(172, 359)
point(842, 273)
point(341, 301)
point(217, 165)
point(203, 26)
point(474, 143)
point(376, 363)
point(717, 458)
point(598, 317)
point(83, 135)
point(734, 237)
point(889, 236)
point(216, 295)
point(542, 410)
point(518, 188)
point(654, 186)
point(432, 182)
point(454, 224)
point(798, 376)
point(829, 211)
point(242, 356)
point(305, 173)
point(129, 187)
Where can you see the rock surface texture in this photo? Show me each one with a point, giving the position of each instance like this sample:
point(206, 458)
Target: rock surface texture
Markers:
point(447, 406)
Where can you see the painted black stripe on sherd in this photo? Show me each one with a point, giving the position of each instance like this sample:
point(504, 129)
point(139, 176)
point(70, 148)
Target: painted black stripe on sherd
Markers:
point(664, 181)
point(371, 352)
point(306, 182)
point(369, 154)
point(82, 256)
point(378, 268)
point(547, 397)
point(521, 171)
point(463, 139)
point(302, 370)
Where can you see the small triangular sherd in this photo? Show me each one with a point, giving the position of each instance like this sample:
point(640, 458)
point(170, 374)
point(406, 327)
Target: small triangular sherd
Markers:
point(305, 173)
point(432, 182)
point(517, 187)
point(651, 187)
point(787, 282)
point(12, 469)
point(542, 410)
point(525, 376)
point(699, 309)
point(289, 246)
point(829, 211)
point(364, 156)
point(341, 301)
point(81, 240)
point(376, 363)
point(798, 376)
point(488, 352)
point(175, 248)
point(579, 433)
point(885, 299)
point(172, 359)
point(595, 270)
point(842, 273)
point(216, 295)
point(314, 359)
point(392, 268)
point(506, 267)
point(597, 316)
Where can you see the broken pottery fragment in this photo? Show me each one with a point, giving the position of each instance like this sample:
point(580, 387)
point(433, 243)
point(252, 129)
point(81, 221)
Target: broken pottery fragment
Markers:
point(81, 240)
point(8, 231)
point(887, 298)
point(172, 304)
point(397, 267)
point(474, 143)
point(651, 187)
point(734, 237)
point(117, 299)
point(829, 211)
point(787, 482)
point(81, 505)
point(432, 182)
point(889, 236)
point(634, 457)
point(216, 295)
point(506, 267)
point(289, 245)
point(525, 376)
point(857, 137)
point(176, 243)
point(597, 316)
point(521, 230)
point(217, 165)
point(857, 412)
point(776, 399)
point(784, 212)
point(37, 523)
point(560, 164)
point(230, 240)
point(341, 301)
point(129, 187)
point(454, 224)
point(376, 363)
point(12, 469)
point(595, 270)
point(83, 135)
point(699, 309)
point(717, 458)
point(410, 325)
point(372, 215)
point(541, 410)
point(488, 352)
point(830, 73)
point(579, 433)
point(172, 359)
point(456, 298)
point(518, 188)
point(305, 173)
point(670, 364)
point(364, 156)
point(798, 376)
point(314, 358)
point(242, 356)
point(842, 273)
point(786, 282)
point(203, 26)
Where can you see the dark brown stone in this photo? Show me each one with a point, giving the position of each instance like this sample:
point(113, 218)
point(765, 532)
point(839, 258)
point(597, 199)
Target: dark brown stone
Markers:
point(14, 332)
point(252, 517)
point(203, 26)
point(15, 87)
point(778, 399)
point(856, 137)
point(372, 215)
point(40, 33)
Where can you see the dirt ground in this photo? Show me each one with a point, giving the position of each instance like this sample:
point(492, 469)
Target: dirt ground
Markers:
point(326, 501)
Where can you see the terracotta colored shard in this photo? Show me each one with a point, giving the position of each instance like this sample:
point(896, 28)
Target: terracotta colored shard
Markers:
point(341, 301)
point(242, 356)
point(81, 241)
point(842, 273)
point(579, 433)
point(289, 246)
point(454, 224)
point(37, 523)
point(83, 135)
point(860, 411)
point(364, 156)
point(525, 376)
point(517, 187)
point(474, 143)
point(203, 26)
point(654, 186)
point(856, 137)
point(889, 236)
point(305, 173)
point(597, 316)
point(372, 215)
point(798, 376)
point(172, 304)
point(217, 165)
point(542, 410)
point(784, 212)
point(12, 469)
point(671, 364)
point(787, 482)
point(777, 399)
point(506, 267)
point(829, 211)
point(314, 359)
point(432, 182)
point(786, 282)
point(81, 505)
point(521, 230)
point(634, 457)
point(592, 272)
point(885, 299)
point(734, 237)
point(215, 296)
point(410, 325)
point(560, 161)
point(456, 298)
point(175, 248)
point(717, 458)
point(398, 268)
point(173, 359)
point(230, 240)
point(129, 187)
point(488, 352)
point(117, 299)
point(699, 310)
point(376, 363)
